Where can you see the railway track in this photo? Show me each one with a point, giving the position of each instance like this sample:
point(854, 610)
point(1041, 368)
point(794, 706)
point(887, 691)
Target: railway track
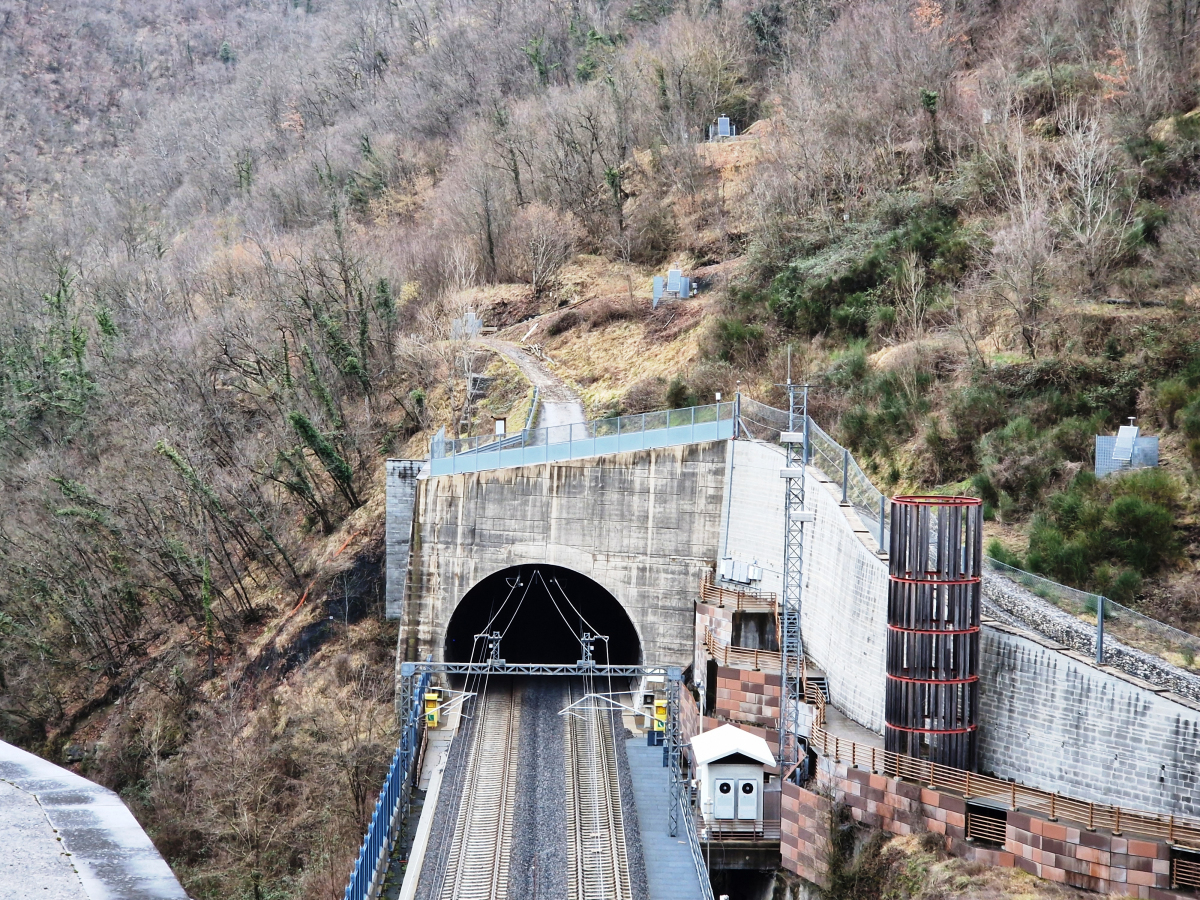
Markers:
point(598, 866)
point(477, 862)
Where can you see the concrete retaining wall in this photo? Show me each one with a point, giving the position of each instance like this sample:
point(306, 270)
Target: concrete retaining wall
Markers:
point(1051, 718)
point(643, 525)
point(844, 597)
point(401, 493)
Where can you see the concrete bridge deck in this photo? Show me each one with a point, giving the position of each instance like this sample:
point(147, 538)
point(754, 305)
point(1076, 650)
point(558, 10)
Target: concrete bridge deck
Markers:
point(63, 837)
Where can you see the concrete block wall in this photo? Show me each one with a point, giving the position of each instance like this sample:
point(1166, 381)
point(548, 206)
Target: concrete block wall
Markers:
point(1064, 852)
point(804, 833)
point(643, 525)
point(1051, 718)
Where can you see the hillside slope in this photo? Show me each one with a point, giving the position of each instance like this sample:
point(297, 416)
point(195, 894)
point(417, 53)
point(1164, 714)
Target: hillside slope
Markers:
point(237, 232)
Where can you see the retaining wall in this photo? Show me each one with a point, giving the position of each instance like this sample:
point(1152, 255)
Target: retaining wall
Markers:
point(844, 595)
point(1061, 851)
point(1052, 719)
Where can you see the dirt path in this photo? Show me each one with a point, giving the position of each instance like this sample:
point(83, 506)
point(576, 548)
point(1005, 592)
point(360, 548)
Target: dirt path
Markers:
point(559, 404)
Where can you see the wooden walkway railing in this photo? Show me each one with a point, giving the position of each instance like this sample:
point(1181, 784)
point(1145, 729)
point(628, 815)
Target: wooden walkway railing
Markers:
point(746, 599)
point(1179, 830)
point(741, 657)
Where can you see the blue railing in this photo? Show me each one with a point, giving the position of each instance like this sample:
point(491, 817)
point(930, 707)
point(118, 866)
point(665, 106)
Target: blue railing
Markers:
point(392, 805)
point(620, 434)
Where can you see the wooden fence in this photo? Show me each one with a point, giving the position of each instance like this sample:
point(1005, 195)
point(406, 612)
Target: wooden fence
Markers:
point(741, 599)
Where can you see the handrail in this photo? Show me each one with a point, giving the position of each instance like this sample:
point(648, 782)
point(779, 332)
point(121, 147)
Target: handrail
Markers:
point(740, 656)
point(706, 892)
point(390, 808)
point(1183, 831)
point(645, 431)
point(747, 599)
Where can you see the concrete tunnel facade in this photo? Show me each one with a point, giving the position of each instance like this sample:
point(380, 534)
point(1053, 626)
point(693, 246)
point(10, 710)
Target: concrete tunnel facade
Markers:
point(642, 526)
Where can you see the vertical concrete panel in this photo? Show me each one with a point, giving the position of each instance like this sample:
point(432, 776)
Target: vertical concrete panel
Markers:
point(401, 493)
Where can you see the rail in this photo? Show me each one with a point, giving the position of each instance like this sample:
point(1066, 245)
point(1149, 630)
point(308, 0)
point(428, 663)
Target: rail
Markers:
point(391, 807)
point(477, 865)
point(620, 434)
point(598, 863)
point(741, 599)
point(1178, 830)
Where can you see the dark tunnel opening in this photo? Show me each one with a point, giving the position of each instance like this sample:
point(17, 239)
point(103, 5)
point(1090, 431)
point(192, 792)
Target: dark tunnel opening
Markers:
point(541, 611)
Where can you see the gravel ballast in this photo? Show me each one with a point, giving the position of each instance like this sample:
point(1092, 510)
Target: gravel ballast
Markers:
point(1010, 603)
point(538, 862)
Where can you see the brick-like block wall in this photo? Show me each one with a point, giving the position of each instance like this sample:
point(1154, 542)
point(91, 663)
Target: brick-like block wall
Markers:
point(804, 833)
point(1060, 851)
point(746, 696)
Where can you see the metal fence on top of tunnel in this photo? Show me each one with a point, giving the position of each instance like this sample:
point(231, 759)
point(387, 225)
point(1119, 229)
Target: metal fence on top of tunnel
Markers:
point(834, 461)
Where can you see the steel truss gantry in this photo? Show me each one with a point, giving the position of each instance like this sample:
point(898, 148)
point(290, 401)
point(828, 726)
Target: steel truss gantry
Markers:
point(410, 672)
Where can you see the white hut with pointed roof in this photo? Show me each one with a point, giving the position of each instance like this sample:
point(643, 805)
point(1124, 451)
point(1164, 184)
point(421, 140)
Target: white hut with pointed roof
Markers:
point(730, 763)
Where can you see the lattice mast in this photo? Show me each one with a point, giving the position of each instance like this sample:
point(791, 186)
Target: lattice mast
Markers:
point(791, 640)
point(934, 591)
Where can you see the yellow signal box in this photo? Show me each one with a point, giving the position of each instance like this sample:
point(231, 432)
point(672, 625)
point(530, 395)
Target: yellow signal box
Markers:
point(433, 700)
point(660, 714)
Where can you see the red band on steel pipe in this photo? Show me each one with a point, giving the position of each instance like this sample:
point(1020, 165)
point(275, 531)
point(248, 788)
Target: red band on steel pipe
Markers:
point(917, 500)
point(930, 730)
point(968, 680)
point(974, 629)
point(976, 580)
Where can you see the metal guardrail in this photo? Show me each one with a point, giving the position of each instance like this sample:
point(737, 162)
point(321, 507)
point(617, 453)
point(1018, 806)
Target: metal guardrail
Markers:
point(1181, 831)
point(391, 807)
point(742, 657)
point(1130, 626)
point(620, 434)
point(693, 839)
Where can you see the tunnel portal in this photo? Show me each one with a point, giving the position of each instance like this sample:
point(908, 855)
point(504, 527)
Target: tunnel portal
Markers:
point(541, 612)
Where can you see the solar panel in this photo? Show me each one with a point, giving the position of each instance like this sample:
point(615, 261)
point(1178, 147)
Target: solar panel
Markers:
point(673, 278)
point(1127, 436)
point(723, 126)
point(685, 287)
point(658, 289)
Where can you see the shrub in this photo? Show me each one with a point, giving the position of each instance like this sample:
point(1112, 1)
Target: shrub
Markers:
point(1002, 554)
point(1020, 460)
point(679, 394)
point(540, 240)
point(843, 284)
point(738, 342)
point(1171, 397)
point(1106, 535)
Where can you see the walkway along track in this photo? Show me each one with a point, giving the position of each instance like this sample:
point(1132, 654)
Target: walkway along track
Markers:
point(598, 867)
point(477, 862)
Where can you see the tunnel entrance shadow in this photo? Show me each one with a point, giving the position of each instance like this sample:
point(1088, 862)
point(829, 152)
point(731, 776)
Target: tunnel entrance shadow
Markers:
point(541, 611)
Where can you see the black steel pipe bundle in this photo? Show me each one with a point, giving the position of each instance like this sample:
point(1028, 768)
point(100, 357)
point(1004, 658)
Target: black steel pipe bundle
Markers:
point(934, 591)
